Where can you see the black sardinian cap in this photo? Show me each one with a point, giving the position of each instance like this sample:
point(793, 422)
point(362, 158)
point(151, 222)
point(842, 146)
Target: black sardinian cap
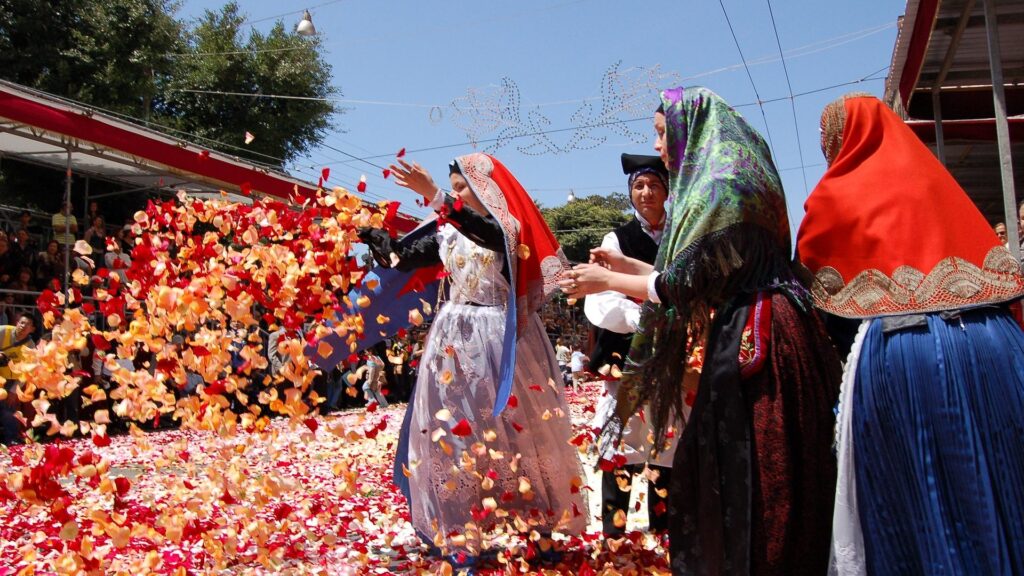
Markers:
point(633, 163)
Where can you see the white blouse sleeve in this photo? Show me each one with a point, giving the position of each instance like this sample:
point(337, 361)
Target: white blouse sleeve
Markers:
point(652, 292)
point(612, 310)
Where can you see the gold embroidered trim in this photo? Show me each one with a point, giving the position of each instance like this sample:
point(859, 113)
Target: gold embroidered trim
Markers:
point(952, 283)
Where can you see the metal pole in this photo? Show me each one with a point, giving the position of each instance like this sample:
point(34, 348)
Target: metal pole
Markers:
point(940, 143)
point(67, 225)
point(1002, 129)
point(86, 202)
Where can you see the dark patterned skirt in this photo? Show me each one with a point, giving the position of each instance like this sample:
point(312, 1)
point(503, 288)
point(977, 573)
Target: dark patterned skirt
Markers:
point(753, 480)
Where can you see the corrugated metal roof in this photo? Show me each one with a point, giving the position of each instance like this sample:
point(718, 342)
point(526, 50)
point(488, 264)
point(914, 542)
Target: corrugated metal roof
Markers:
point(970, 65)
point(956, 60)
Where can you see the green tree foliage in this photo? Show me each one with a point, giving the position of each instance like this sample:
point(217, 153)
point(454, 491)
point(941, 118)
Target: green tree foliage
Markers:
point(108, 53)
point(135, 58)
point(223, 58)
point(581, 224)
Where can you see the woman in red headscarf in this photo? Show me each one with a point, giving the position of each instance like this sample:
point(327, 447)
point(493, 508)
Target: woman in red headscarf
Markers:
point(488, 424)
point(931, 462)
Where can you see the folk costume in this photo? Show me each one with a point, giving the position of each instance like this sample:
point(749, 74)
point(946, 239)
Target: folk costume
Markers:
point(931, 463)
point(753, 476)
point(488, 422)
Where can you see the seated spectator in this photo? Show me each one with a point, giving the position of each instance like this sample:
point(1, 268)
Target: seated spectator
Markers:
point(49, 265)
point(24, 246)
point(1000, 229)
point(117, 258)
point(8, 313)
point(25, 223)
point(84, 262)
point(23, 283)
point(8, 261)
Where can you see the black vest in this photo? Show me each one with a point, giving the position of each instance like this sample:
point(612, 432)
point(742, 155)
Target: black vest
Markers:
point(612, 347)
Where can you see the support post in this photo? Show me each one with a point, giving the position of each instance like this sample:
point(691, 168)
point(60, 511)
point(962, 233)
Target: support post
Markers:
point(67, 247)
point(87, 222)
point(1002, 129)
point(940, 143)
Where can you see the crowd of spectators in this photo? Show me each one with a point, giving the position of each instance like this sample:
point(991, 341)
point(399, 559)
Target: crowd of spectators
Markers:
point(26, 270)
point(36, 255)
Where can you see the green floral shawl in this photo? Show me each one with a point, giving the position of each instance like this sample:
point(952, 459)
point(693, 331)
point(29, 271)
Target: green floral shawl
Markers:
point(727, 235)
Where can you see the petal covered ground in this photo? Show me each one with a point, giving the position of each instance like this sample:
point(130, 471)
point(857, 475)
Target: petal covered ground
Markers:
point(299, 498)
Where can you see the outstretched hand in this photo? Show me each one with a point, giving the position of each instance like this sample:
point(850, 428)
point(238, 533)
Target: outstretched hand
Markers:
point(618, 262)
point(414, 177)
point(585, 279)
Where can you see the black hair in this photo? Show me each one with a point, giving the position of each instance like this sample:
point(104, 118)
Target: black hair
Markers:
point(31, 317)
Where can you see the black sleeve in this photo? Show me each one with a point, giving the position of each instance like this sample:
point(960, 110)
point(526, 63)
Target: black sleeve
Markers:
point(484, 231)
point(419, 253)
point(740, 259)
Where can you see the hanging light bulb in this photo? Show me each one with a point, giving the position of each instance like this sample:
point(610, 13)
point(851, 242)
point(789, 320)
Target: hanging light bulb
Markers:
point(305, 27)
point(571, 196)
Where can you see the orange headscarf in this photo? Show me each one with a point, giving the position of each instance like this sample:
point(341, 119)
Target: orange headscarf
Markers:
point(889, 231)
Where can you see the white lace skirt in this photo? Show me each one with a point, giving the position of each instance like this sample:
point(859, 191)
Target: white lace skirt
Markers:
point(515, 472)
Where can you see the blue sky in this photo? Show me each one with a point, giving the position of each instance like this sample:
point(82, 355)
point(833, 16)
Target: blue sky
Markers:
point(401, 65)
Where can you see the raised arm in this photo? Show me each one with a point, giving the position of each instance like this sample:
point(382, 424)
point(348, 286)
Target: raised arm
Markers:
point(419, 253)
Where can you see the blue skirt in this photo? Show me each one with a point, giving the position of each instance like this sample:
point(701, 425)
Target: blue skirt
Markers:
point(938, 437)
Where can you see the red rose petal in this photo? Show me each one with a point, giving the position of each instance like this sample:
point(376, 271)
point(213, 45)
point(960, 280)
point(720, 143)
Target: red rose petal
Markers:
point(99, 342)
point(462, 429)
point(122, 484)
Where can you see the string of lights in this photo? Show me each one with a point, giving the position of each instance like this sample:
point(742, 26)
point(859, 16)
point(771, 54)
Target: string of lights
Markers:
point(312, 175)
point(868, 78)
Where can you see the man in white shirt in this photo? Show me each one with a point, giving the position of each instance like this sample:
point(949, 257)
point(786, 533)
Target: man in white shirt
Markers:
point(618, 317)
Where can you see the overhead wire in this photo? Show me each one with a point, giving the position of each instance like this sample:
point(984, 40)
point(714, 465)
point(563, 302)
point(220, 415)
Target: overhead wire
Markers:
point(796, 52)
point(367, 159)
point(213, 143)
point(792, 101)
point(805, 50)
point(623, 186)
point(760, 104)
point(869, 77)
point(419, 29)
point(264, 19)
